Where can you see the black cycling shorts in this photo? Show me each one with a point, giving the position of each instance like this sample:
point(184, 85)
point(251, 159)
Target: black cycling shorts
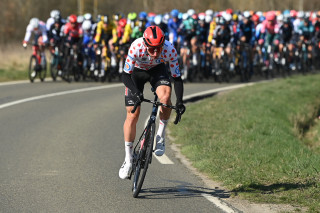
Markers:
point(157, 76)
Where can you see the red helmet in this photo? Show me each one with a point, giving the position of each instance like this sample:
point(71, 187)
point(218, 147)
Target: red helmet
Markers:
point(73, 18)
point(271, 16)
point(255, 18)
point(123, 22)
point(153, 36)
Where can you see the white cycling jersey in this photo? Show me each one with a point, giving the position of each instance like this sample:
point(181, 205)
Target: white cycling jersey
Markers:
point(40, 31)
point(139, 57)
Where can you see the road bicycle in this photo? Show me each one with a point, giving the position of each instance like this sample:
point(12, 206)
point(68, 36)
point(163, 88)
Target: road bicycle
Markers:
point(37, 65)
point(142, 151)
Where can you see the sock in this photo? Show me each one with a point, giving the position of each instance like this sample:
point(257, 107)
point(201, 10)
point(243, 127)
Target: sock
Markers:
point(128, 149)
point(162, 127)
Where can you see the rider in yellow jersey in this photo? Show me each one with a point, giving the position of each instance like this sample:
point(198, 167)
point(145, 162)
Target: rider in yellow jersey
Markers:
point(103, 34)
point(131, 23)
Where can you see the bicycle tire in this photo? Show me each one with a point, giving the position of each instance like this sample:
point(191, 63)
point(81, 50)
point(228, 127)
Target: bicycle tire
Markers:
point(32, 73)
point(43, 71)
point(143, 160)
point(54, 67)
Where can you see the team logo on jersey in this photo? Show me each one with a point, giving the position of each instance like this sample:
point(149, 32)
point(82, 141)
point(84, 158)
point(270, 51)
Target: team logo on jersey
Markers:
point(177, 71)
point(159, 60)
point(127, 67)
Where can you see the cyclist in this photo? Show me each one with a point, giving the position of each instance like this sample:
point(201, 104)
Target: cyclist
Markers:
point(50, 20)
point(173, 27)
point(55, 33)
point(40, 37)
point(40, 32)
point(146, 62)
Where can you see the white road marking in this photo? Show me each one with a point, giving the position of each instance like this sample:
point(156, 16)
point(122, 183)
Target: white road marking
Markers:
point(217, 202)
point(13, 83)
point(2, 106)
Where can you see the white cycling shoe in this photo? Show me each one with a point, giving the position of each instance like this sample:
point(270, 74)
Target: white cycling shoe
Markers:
point(125, 169)
point(160, 146)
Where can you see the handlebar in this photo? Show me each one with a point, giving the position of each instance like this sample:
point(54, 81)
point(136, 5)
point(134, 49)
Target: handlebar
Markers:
point(178, 117)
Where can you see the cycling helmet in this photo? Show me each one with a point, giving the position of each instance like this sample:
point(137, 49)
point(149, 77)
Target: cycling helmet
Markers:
point(235, 17)
point(286, 20)
point(34, 22)
point(158, 19)
point(271, 16)
point(185, 16)
point(153, 36)
point(105, 19)
point(87, 16)
point(57, 19)
point(246, 14)
point(227, 17)
point(202, 16)
point(98, 18)
point(80, 19)
point(280, 18)
point(53, 13)
point(255, 18)
point(194, 17)
point(222, 21)
point(262, 18)
point(191, 12)
point(122, 22)
point(86, 25)
point(174, 13)
point(132, 16)
point(116, 17)
point(209, 12)
point(165, 18)
point(293, 13)
point(229, 11)
point(143, 15)
point(208, 19)
point(72, 18)
point(300, 14)
point(259, 13)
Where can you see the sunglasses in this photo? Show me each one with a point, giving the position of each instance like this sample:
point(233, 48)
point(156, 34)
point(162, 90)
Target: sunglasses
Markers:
point(154, 49)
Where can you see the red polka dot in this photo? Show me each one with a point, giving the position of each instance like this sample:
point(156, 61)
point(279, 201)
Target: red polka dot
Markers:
point(165, 51)
point(135, 56)
point(170, 55)
point(173, 50)
point(171, 59)
point(134, 48)
point(140, 50)
point(176, 55)
point(177, 64)
point(128, 60)
point(131, 51)
point(130, 72)
point(133, 62)
point(174, 75)
point(139, 44)
point(171, 65)
point(165, 56)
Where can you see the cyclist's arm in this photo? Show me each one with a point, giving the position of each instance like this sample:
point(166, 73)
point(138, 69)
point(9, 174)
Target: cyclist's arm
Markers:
point(178, 88)
point(28, 34)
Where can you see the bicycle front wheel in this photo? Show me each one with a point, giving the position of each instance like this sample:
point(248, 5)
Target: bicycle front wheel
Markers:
point(33, 66)
point(143, 156)
point(43, 71)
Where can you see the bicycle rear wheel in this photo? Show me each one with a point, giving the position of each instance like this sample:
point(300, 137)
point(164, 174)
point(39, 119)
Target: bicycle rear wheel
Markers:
point(142, 158)
point(33, 66)
point(43, 71)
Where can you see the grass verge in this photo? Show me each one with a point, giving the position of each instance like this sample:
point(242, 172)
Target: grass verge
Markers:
point(14, 62)
point(254, 140)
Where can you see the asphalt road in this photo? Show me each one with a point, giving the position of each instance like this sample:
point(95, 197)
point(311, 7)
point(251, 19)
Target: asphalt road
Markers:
point(62, 154)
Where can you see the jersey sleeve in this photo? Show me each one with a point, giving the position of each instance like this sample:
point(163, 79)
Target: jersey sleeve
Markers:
point(172, 57)
point(131, 59)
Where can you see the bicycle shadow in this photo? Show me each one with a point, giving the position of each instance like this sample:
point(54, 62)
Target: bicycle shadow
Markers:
point(182, 190)
point(272, 188)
